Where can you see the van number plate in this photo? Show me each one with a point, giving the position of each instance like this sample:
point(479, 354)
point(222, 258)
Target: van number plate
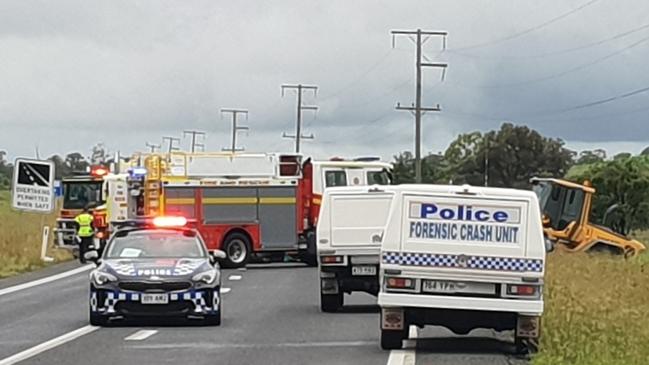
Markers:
point(363, 270)
point(155, 299)
point(436, 286)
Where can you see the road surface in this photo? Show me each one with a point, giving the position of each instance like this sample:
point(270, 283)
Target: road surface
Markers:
point(271, 316)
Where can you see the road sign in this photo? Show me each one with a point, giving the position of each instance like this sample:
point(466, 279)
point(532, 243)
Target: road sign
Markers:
point(33, 186)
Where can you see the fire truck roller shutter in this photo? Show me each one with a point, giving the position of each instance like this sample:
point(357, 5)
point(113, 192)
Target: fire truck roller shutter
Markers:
point(230, 205)
point(277, 217)
point(180, 201)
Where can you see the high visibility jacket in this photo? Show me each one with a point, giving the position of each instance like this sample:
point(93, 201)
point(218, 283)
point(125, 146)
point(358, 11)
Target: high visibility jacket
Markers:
point(84, 220)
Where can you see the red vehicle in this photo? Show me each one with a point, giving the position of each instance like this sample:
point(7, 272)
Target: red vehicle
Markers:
point(261, 205)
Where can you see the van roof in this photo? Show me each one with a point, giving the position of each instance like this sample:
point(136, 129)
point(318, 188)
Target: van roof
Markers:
point(433, 188)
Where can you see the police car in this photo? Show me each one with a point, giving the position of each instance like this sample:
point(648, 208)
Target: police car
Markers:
point(350, 226)
point(462, 257)
point(158, 268)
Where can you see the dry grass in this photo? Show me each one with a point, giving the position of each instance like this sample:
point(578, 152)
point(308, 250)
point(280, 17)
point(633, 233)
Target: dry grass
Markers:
point(20, 240)
point(597, 311)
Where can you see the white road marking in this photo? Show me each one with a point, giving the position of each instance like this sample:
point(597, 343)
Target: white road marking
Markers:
point(48, 345)
point(45, 280)
point(242, 269)
point(407, 355)
point(141, 335)
point(212, 345)
point(225, 290)
point(234, 277)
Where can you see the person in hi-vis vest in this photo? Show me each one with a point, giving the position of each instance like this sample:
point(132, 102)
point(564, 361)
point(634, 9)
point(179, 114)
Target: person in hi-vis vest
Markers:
point(85, 232)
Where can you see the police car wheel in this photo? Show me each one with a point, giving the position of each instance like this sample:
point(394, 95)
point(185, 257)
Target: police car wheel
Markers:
point(331, 302)
point(237, 248)
point(392, 340)
point(98, 320)
point(214, 320)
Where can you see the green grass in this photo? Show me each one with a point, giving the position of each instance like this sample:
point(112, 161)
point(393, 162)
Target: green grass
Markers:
point(20, 239)
point(597, 311)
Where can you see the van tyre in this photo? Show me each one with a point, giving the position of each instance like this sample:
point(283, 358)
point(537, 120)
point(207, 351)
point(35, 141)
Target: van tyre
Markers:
point(237, 248)
point(392, 339)
point(330, 303)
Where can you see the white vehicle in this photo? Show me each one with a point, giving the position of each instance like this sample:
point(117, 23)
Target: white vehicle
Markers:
point(350, 228)
point(462, 257)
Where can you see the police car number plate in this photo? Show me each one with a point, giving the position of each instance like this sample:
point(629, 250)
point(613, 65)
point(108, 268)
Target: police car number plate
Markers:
point(363, 270)
point(435, 286)
point(155, 299)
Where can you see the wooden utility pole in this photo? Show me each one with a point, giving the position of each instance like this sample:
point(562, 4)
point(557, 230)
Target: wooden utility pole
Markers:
point(298, 125)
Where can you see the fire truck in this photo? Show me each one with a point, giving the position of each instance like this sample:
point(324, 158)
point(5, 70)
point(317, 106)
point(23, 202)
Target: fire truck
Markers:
point(80, 191)
point(250, 205)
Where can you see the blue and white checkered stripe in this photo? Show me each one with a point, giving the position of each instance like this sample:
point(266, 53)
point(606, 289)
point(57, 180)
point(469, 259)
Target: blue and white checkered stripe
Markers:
point(197, 297)
point(463, 262)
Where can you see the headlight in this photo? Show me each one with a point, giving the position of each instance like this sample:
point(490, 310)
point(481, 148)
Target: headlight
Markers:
point(101, 278)
point(207, 277)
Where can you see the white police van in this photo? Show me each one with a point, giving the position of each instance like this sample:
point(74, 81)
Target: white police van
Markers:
point(350, 228)
point(462, 257)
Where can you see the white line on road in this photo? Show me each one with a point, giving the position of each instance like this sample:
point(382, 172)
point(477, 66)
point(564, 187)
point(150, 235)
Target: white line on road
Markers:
point(38, 349)
point(225, 290)
point(45, 280)
point(234, 277)
point(406, 356)
point(212, 345)
point(141, 335)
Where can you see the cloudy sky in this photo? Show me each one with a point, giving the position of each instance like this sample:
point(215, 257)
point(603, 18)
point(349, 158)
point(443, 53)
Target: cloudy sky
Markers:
point(128, 72)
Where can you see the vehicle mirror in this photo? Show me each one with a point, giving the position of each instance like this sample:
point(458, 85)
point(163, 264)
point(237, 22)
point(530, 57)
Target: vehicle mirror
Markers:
point(549, 245)
point(91, 255)
point(218, 254)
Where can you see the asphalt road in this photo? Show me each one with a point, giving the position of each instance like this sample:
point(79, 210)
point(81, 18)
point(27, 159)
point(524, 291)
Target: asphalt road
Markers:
point(271, 316)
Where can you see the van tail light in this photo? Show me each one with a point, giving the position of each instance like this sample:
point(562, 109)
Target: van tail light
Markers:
point(331, 259)
point(400, 283)
point(522, 290)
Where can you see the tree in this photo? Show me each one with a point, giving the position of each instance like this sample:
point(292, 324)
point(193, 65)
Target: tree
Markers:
point(591, 156)
point(433, 168)
point(75, 162)
point(508, 157)
point(99, 154)
point(622, 156)
point(623, 182)
point(6, 171)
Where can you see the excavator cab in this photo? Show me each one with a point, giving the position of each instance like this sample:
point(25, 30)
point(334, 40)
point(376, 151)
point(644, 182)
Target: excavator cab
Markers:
point(566, 212)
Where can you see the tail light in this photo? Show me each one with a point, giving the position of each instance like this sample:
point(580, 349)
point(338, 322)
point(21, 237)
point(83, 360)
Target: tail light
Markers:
point(400, 283)
point(522, 290)
point(331, 259)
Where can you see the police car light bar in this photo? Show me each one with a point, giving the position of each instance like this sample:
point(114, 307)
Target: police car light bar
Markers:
point(169, 221)
point(98, 171)
point(137, 171)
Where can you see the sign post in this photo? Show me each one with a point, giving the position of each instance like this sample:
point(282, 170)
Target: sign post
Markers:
point(33, 191)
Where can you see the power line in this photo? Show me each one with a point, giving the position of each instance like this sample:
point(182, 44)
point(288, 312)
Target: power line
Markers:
point(235, 127)
point(300, 107)
point(195, 144)
point(528, 30)
point(153, 147)
point(417, 109)
point(557, 52)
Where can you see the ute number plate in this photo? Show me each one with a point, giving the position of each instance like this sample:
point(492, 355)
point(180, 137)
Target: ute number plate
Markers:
point(155, 299)
point(437, 286)
point(363, 270)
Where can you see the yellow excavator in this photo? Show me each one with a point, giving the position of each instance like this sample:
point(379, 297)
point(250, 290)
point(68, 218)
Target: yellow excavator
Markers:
point(566, 208)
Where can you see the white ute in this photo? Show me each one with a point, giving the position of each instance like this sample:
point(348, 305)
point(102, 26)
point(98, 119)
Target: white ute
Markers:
point(351, 225)
point(462, 257)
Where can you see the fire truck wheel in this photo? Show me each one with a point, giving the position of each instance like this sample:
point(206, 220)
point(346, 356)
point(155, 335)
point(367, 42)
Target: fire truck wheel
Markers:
point(330, 303)
point(237, 248)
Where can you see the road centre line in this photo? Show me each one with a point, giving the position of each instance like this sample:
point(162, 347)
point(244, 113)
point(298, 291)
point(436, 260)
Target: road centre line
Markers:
point(225, 290)
point(47, 345)
point(234, 277)
point(45, 280)
point(141, 335)
point(407, 355)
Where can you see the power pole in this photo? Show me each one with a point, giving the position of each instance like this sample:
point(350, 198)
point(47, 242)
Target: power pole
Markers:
point(235, 127)
point(153, 147)
point(195, 144)
point(298, 125)
point(417, 109)
point(172, 141)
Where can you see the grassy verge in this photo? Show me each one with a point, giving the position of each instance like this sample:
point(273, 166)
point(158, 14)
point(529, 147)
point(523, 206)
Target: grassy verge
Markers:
point(20, 240)
point(597, 311)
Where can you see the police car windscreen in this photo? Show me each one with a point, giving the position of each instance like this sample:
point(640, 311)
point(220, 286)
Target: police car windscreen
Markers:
point(156, 244)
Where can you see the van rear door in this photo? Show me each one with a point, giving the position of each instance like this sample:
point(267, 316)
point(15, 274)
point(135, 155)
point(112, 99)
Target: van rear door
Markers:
point(359, 219)
point(468, 225)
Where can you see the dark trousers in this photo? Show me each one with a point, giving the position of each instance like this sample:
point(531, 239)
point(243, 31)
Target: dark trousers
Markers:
point(84, 246)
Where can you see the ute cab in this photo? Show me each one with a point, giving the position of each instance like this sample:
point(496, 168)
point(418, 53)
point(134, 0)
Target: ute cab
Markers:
point(566, 209)
point(462, 257)
point(352, 223)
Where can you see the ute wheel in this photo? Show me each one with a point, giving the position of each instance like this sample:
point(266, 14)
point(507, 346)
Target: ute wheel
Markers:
point(310, 260)
point(525, 346)
point(629, 252)
point(330, 303)
point(237, 248)
point(393, 339)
